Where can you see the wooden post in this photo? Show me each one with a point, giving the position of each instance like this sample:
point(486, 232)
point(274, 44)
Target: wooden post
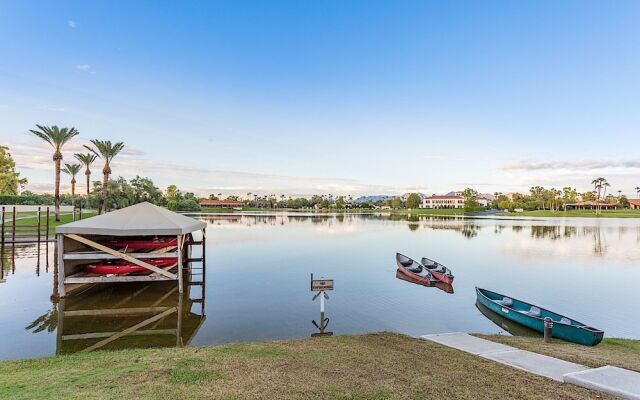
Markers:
point(2, 228)
point(38, 226)
point(180, 274)
point(13, 231)
point(60, 258)
point(47, 223)
point(60, 326)
point(74, 214)
point(179, 323)
point(548, 329)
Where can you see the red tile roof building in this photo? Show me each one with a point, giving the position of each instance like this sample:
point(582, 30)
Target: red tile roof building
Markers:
point(634, 204)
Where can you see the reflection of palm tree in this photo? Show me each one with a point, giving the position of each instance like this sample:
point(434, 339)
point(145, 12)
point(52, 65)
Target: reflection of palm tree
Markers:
point(47, 321)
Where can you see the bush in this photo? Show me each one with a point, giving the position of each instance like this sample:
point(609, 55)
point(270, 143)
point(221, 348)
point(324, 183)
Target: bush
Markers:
point(29, 199)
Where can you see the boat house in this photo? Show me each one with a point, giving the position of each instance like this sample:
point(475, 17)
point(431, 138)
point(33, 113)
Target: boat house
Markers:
point(152, 242)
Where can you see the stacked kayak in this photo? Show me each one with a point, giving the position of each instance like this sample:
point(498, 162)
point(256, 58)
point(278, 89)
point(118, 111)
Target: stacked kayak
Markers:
point(121, 267)
point(533, 317)
point(149, 243)
point(139, 244)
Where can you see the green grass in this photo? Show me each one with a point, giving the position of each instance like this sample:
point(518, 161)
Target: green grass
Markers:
point(627, 213)
point(373, 366)
point(64, 219)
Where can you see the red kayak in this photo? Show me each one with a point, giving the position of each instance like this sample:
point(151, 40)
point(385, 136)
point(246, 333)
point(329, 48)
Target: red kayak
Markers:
point(143, 244)
point(121, 267)
point(414, 270)
point(439, 271)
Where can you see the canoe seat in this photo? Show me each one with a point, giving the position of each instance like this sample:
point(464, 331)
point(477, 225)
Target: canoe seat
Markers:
point(534, 311)
point(406, 263)
point(429, 263)
point(506, 301)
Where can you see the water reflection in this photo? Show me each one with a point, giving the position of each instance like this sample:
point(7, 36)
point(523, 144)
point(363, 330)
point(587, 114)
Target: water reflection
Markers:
point(36, 253)
point(258, 282)
point(135, 315)
point(445, 287)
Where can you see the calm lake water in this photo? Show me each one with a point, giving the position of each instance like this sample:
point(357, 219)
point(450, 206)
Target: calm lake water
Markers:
point(257, 282)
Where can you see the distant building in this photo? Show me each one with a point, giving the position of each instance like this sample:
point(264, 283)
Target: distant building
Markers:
point(634, 204)
point(447, 201)
point(221, 203)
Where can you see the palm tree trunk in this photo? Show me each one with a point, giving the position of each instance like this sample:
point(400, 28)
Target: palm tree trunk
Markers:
point(73, 192)
point(57, 189)
point(103, 193)
point(88, 175)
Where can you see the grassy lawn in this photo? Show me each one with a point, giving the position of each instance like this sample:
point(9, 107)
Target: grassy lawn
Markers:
point(374, 366)
point(617, 352)
point(32, 221)
point(576, 213)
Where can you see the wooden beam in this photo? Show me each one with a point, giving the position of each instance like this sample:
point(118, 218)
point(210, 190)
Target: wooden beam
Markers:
point(115, 311)
point(98, 335)
point(116, 279)
point(180, 252)
point(129, 330)
point(60, 265)
point(118, 254)
point(94, 255)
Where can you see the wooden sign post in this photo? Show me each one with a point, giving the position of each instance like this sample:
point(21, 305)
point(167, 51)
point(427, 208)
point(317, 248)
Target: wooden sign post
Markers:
point(320, 286)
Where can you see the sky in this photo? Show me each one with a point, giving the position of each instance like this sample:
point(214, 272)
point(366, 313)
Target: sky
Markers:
point(340, 97)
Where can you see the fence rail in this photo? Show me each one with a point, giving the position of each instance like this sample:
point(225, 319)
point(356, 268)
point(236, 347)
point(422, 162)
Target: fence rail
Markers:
point(29, 224)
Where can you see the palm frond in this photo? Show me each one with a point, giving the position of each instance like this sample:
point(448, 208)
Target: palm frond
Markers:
point(86, 159)
point(71, 169)
point(105, 149)
point(56, 137)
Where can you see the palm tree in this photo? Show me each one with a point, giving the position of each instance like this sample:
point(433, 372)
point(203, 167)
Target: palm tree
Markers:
point(87, 160)
point(72, 170)
point(105, 150)
point(638, 192)
point(57, 138)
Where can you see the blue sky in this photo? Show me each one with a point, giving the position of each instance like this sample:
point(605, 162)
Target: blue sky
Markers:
point(330, 96)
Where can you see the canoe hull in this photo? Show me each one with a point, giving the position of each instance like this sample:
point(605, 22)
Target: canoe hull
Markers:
point(570, 333)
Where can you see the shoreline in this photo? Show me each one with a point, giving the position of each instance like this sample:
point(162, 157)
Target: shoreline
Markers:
point(450, 213)
point(376, 365)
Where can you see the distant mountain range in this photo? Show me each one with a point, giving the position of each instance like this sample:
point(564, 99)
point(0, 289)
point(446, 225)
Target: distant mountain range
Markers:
point(367, 199)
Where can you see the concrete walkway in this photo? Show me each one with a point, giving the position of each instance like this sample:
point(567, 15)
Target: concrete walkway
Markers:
point(615, 381)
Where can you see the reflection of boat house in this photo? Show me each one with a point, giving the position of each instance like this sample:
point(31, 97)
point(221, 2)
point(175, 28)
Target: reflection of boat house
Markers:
point(141, 315)
point(85, 241)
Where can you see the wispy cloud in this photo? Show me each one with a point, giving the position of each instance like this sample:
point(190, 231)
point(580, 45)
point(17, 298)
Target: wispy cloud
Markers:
point(71, 23)
point(571, 165)
point(54, 109)
point(83, 67)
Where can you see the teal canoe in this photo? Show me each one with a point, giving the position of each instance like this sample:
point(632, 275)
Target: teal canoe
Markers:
point(533, 317)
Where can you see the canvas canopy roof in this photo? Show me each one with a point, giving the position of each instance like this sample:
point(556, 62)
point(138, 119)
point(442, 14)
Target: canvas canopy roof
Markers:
point(137, 220)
